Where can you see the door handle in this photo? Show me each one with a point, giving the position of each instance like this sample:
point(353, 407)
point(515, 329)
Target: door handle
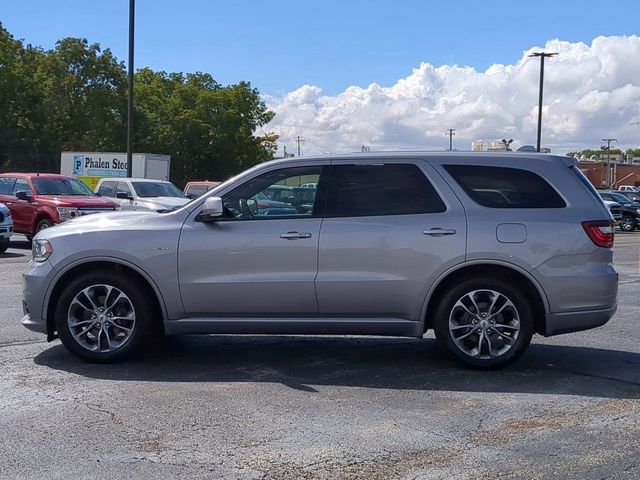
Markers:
point(294, 235)
point(438, 232)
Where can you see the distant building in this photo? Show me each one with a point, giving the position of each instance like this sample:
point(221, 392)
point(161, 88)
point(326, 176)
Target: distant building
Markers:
point(478, 146)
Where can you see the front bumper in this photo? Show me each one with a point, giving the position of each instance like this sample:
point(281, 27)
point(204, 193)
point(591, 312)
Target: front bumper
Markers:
point(35, 325)
point(35, 283)
point(6, 230)
point(567, 322)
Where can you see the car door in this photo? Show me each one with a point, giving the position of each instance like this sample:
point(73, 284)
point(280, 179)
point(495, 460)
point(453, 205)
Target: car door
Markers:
point(258, 260)
point(391, 228)
point(128, 203)
point(23, 211)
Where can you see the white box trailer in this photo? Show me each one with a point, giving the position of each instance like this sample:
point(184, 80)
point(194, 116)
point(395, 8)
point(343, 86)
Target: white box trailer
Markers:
point(92, 166)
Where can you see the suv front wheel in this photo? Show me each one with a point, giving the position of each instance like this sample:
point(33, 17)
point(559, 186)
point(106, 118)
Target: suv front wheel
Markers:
point(484, 323)
point(103, 317)
point(628, 223)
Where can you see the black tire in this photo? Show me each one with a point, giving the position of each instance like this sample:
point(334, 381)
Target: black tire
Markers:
point(449, 307)
point(141, 330)
point(29, 238)
point(42, 224)
point(4, 244)
point(627, 223)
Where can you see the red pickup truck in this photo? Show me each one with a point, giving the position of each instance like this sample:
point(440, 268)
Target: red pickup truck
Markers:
point(40, 200)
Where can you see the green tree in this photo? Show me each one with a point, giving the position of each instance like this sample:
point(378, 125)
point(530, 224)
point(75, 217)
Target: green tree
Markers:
point(208, 129)
point(74, 98)
point(21, 100)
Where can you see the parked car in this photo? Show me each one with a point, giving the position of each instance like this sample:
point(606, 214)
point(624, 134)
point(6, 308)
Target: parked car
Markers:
point(6, 227)
point(628, 188)
point(197, 189)
point(629, 211)
point(633, 196)
point(394, 244)
point(141, 193)
point(615, 209)
point(41, 200)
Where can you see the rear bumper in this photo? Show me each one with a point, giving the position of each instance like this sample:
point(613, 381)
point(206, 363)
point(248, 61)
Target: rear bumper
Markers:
point(567, 322)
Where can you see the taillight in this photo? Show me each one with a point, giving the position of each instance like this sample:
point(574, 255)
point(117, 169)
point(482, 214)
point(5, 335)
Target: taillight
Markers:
point(600, 232)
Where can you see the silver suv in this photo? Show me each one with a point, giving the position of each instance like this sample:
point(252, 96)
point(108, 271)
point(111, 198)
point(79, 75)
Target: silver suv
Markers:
point(485, 249)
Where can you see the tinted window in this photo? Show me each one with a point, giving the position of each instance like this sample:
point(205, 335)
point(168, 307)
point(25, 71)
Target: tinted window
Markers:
point(391, 189)
point(123, 188)
point(197, 190)
point(264, 196)
point(60, 186)
point(151, 189)
point(502, 187)
point(21, 185)
point(106, 189)
point(6, 185)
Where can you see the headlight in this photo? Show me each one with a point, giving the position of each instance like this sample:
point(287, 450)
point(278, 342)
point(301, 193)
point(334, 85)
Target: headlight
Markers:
point(41, 250)
point(67, 213)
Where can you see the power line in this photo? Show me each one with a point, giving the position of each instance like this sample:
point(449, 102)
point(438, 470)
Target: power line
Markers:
point(451, 134)
point(299, 142)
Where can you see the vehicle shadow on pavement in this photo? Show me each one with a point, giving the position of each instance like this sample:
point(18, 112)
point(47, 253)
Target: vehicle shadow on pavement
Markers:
point(308, 363)
point(12, 255)
point(20, 244)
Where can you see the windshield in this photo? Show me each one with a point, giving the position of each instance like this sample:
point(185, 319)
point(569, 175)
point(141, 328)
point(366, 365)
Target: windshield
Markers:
point(618, 197)
point(60, 186)
point(157, 189)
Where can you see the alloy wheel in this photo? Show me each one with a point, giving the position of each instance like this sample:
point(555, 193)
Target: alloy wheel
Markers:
point(484, 324)
point(101, 318)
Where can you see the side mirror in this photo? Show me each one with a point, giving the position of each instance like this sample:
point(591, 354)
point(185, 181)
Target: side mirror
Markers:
point(124, 196)
point(190, 196)
point(212, 209)
point(24, 196)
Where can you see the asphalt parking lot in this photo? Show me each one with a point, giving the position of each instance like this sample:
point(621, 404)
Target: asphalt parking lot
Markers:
point(322, 407)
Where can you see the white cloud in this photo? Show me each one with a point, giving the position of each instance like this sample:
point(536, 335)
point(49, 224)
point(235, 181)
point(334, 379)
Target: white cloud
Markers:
point(590, 92)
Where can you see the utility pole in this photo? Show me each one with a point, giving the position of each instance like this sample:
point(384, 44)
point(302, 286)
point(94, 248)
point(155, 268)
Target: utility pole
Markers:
point(451, 134)
point(542, 55)
point(299, 141)
point(132, 11)
point(608, 149)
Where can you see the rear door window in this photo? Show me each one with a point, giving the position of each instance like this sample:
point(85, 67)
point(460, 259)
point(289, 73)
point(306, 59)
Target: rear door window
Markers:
point(382, 189)
point(504, 187)
point(6, 185)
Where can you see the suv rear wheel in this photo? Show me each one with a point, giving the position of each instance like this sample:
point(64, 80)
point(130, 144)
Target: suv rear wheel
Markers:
point(484, 323)
point(102, 317)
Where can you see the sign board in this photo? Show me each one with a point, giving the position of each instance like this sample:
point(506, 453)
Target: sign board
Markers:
point(90, 167)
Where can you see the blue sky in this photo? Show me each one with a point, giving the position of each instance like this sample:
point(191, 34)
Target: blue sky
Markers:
point(280, 45)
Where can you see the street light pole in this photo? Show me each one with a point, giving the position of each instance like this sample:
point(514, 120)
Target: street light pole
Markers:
point(541, 55)
point(132, 11)
point(608, 148)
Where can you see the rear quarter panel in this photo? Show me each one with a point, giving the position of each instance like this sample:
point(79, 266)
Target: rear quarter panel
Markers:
point(573, 272)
